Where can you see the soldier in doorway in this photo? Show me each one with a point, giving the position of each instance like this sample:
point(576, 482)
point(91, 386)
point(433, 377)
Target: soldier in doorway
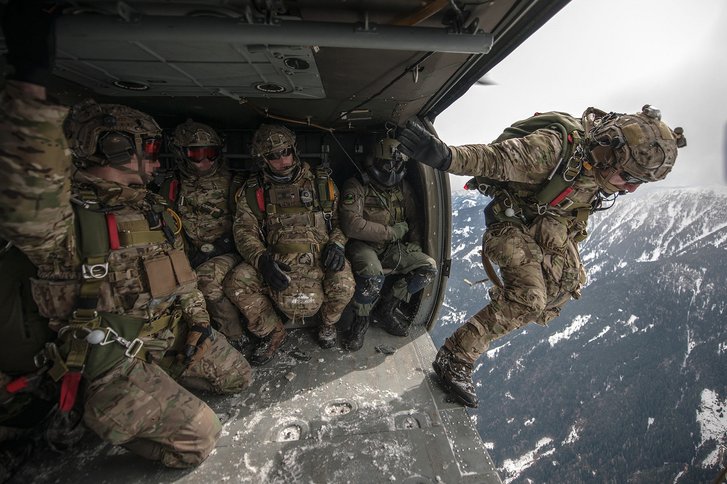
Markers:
point(377, 214)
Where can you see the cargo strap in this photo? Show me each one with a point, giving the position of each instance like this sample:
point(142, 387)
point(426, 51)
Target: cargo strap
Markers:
point(74, 341)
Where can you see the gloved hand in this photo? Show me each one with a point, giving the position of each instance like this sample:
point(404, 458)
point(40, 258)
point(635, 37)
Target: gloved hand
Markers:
point(29, 36)
point(334, 257)
point(198, 342)
point(419, 144)
point(400, 229)
point(274, 273)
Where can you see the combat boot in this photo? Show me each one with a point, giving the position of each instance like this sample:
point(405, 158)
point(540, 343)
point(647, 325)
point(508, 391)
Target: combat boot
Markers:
point(268, 346)
point(355, 337)
point(327, 336)
point(456, 377)
point(390, 317)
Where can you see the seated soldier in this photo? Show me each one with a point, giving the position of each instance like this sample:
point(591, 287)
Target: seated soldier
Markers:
point(377, 214)
point(203, 202)
point(286, 229)
point(111, 270)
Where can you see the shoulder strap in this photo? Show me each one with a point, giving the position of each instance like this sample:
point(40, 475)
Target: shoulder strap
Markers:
point(255, 197)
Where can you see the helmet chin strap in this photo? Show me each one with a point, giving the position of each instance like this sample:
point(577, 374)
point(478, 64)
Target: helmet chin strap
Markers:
point(602, 177)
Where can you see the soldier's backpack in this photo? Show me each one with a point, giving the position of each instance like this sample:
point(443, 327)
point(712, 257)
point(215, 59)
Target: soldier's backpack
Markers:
point(556, 187)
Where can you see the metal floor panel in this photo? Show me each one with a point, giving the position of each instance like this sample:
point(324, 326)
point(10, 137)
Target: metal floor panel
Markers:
point(315, 416)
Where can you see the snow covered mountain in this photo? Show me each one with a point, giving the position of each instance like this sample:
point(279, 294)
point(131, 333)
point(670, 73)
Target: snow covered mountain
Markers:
point(629, 384)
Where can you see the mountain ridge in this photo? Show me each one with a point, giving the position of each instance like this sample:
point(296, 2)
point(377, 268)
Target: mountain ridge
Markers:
point(628, 384)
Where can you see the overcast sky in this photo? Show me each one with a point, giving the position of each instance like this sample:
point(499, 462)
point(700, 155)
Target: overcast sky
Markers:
point(616, 55)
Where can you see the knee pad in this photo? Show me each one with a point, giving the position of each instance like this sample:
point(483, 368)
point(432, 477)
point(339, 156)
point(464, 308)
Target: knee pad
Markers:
point(418, 279)
point(367, 288)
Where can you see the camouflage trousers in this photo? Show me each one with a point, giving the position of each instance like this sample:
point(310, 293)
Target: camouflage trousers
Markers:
point(539, 277)
point(401, 258)
point(210, 276)
point(311, 289)
point(139, 406)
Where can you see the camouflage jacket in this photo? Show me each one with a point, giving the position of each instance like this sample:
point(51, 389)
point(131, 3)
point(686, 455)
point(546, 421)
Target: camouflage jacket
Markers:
point(368, 212)
point(204, 205)
point(297, 222)
point(523, 166)
point(36, 214)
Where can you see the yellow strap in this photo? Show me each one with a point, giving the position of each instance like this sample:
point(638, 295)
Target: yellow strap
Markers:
point(294, 248)
point(128, 239)
point(157, 325)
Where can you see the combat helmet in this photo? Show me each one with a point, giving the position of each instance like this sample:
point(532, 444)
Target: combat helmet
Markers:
point(191, 143)
point(271, 142)
point(387, 165)
point(640, 146)
point(110, 134)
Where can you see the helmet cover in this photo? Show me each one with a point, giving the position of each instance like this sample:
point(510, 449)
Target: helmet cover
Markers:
point(189, 135)
point(107, 134)
point(641, 145)
point(273, 141)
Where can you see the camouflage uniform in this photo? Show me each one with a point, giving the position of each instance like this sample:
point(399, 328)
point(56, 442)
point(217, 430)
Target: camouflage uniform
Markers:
point(539, 264)
point(203, 203)
point(129, 401)
point(287, 221)
point(311, 287)
point(539, 212)
point(368, 214)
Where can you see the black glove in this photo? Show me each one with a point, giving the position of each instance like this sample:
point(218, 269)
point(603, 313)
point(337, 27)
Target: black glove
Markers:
point(274, 273)
point(419, 144)
point(30, 39)
point(334, 257)
point(224, 245)
point(198, 342)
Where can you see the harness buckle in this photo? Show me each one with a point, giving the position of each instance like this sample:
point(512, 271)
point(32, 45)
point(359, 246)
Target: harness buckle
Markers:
point(565, 204)
point(95, 271)
point(134, 348)
point(108, 338)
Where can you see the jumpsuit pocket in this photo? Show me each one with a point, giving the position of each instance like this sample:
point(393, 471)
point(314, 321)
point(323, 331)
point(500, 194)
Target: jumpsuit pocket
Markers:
point(55, 299)
point(550, 233)
point(509, 246)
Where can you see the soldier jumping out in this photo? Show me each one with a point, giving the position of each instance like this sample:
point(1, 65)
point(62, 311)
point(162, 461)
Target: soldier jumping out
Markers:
point(286, 230)
point(546, 175)
point(203, 202)
point(377, 214)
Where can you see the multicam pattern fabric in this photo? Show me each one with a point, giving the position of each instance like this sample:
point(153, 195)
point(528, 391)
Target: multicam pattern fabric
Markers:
point(311, 287)
point(135, 403)
point(210, 278)
point(120, 406)
point(203, 204)
point(539, 263)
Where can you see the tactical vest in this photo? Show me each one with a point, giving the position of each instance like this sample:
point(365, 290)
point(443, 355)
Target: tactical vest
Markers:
point(296, 217)
point(522, 204)
point(118, 336)
point(384, 206)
